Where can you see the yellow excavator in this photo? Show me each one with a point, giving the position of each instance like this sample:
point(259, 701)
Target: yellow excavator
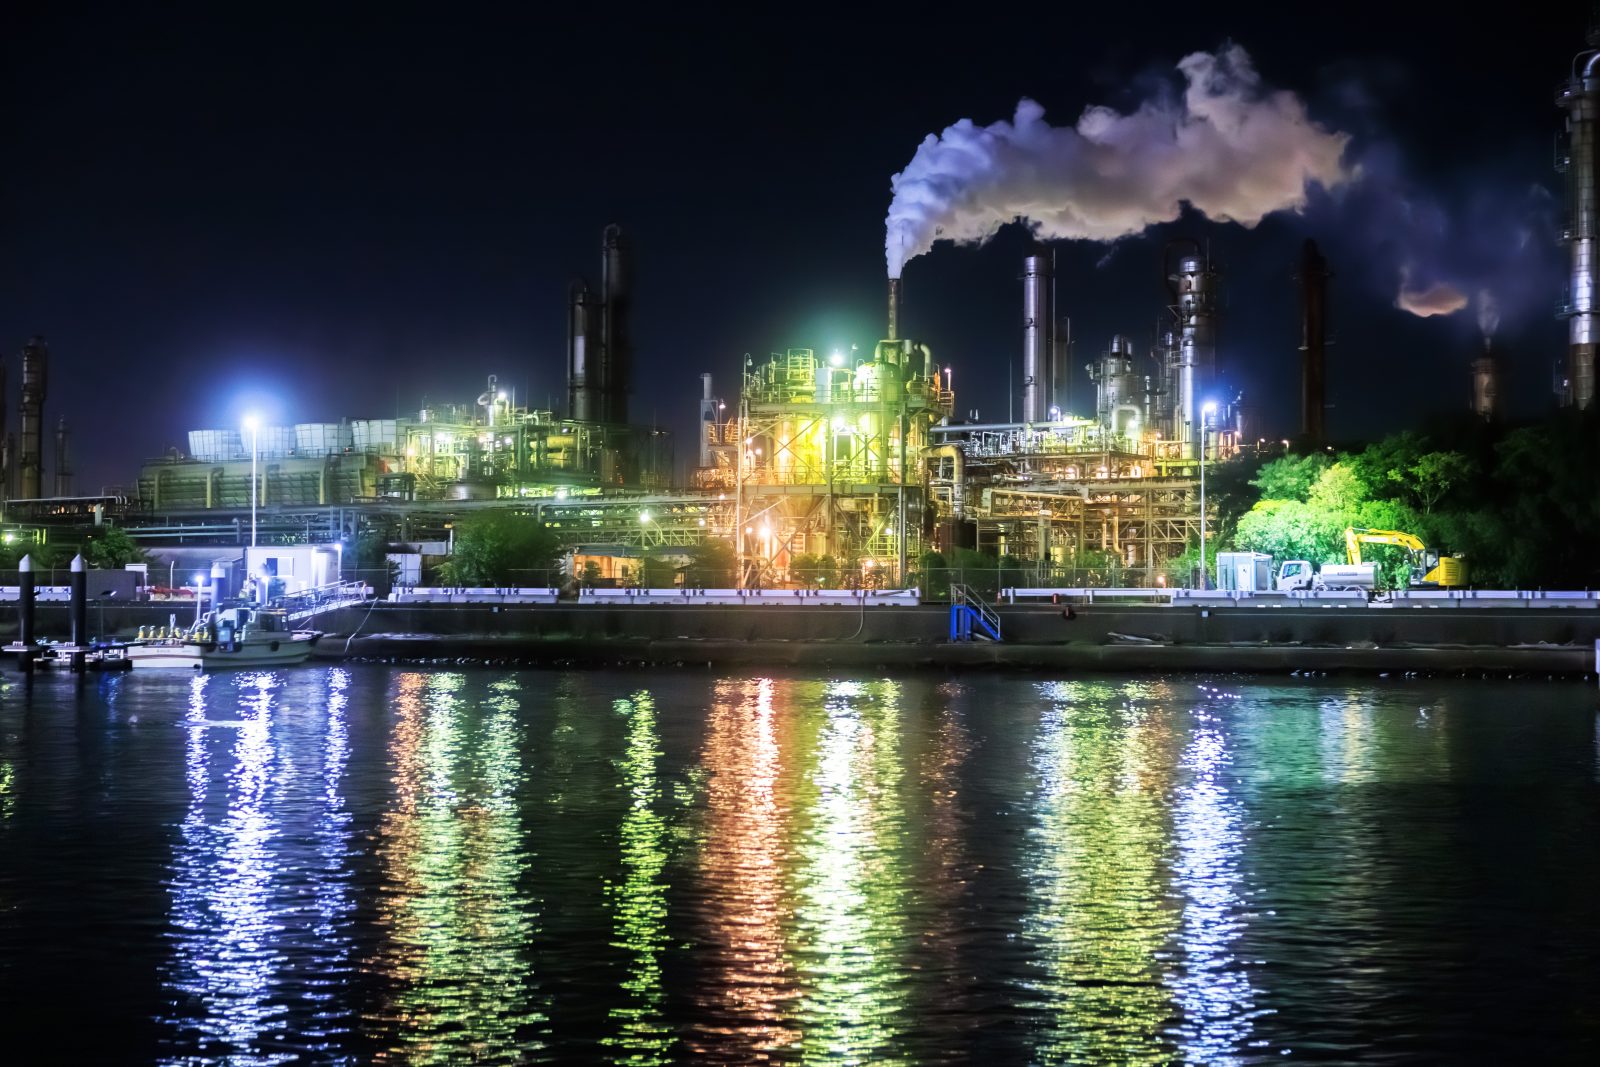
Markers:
point(1428, 569)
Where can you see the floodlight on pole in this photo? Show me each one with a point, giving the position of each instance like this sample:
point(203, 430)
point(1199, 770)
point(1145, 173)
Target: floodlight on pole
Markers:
point(253, 424)
point(1208, 410)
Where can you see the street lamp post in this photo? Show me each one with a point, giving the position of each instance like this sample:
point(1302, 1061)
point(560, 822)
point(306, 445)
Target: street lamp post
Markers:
point(253, 424)
point(1205, 424)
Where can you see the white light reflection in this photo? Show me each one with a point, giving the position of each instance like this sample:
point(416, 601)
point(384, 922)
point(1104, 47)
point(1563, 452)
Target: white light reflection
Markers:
point(227, 960)
point(1212, 986)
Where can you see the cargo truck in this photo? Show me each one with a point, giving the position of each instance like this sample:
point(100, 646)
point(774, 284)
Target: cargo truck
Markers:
point(1299, 574)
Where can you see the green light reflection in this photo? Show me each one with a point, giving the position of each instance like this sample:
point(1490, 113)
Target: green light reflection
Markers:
point(849, 929)
point(639, 901)
point(456, 915)
point(1096, 868)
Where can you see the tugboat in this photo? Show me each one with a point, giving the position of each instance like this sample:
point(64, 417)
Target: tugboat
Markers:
point(232, 637)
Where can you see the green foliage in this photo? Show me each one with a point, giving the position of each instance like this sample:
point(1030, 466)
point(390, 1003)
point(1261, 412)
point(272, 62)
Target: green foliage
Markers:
point(1291, 477)
point(933, 574)
point(110, 548)
point(711, 565)
point(499, 548)
point(821, 571)
point(657, 572)
point(1522, 505)
point(590, 576)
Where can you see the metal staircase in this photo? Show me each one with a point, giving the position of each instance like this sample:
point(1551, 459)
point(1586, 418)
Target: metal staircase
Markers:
point(970, 617)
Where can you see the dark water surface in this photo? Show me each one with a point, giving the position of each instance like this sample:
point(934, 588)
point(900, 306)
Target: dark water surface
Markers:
point(375, 864)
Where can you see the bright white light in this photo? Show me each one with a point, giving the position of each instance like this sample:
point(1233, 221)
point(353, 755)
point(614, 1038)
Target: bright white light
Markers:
point(838, 422)
point(252, 422)
point(702, 522)
point(837, 359)
point(501, 395)
point(1210, 408)
point(561, 494)
point(644, 516)
point(766, 531)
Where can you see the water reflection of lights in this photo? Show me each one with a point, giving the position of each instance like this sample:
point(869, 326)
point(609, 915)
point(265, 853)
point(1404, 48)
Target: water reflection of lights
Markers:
point(1095, 868)
point(1213, 987)
point(225, 904)
point(849, 923)
point(741, 872)
point(639, 902)
point(456, 917)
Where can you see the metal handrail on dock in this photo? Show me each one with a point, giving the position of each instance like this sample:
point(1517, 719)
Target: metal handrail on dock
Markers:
point(970, 616)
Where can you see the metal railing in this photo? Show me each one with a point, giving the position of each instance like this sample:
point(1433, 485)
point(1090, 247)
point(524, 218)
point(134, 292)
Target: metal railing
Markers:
point(307, 603)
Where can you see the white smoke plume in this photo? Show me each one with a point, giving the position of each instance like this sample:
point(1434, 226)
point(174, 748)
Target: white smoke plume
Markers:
point(1231, 148)
point(1426, 301)
point(1488, 314)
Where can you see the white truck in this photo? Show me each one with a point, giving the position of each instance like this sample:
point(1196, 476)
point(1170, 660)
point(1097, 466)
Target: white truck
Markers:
point(1299, 574)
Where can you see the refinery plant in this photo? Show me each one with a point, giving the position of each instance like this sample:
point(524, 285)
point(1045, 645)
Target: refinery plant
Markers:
point(861, 456)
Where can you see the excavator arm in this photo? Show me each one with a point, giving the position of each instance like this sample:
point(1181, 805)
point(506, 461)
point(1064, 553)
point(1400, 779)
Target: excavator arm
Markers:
point(1355, 537)
point(1446, 572)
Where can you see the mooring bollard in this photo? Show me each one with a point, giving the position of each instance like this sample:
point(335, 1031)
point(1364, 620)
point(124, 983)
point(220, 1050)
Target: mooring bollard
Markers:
point(25, 605)
point(80, 605)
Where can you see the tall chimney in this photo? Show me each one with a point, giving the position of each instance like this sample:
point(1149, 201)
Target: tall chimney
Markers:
point(894, 309)
point(708, 420)
point(1580, 98)
point(63, 461)
point(1195, 290)
point(1038, 343)
point(1486, 384)
point(35, 380)
point(616, 346)
point(5, 449)
point(1314, 277)
point(582, 354)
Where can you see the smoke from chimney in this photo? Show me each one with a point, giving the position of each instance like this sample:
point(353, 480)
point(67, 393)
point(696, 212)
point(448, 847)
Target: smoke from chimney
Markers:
point(1231, 148)
point(1426, 301)
point(1488, 315)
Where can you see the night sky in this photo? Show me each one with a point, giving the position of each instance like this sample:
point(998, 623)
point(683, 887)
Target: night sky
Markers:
point(334, 214)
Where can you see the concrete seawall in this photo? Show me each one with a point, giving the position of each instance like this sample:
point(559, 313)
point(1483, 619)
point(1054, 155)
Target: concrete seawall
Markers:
point(1343, 626)
point(1099, 637)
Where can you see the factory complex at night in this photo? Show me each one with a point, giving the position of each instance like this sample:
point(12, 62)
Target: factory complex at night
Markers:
point(861, 456)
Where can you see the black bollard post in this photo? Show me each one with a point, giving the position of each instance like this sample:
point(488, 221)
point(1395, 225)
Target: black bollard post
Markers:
point(80, 603)
point(25, 603)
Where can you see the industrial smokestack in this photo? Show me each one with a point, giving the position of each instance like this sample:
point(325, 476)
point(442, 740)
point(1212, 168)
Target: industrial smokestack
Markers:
point(894, 309)
point(616, 345)
point(35, 381)
point(582, 354)
point(5, 442)
point(1038, 340)
point(1230, 147)
point(1486, 384)
point(1580, 98)
point(1194, 291)
point(63, 461)
point(1314, 277)
point(708, 420)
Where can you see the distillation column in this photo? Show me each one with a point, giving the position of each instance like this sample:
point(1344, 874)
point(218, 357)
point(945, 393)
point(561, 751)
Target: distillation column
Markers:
point(1580, 98)
point(582, 401)
point(1314, 277)
point(63, 461)
point(1196, 290)
point(5, 442)
point(35, 380)
point(616, 373)
point(1038, 339)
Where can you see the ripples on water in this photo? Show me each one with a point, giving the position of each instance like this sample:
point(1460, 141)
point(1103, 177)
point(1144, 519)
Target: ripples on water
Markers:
point(379, 865)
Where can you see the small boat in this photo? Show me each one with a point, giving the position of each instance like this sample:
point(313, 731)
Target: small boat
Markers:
point(233, 637)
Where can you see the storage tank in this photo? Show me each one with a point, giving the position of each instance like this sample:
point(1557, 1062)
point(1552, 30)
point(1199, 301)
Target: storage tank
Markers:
point(216, 446)
point(320, 438)
point(374, 435)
